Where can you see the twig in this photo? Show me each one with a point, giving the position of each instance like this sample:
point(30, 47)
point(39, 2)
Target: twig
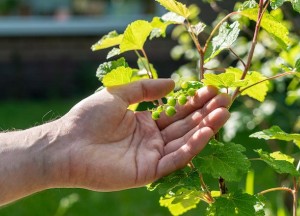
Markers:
point(149, 72)
point(276, 189)
point(199, 49)
point(267, 79)
point(241, 60)
point(261, 12)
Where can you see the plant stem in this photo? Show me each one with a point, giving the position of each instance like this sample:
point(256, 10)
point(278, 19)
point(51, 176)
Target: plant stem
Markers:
point(208, 196)
point(295, 197)
point(267, 79)
point(199, 49)
point(149, 72)
point(261, 11)
point(241, 60)
point(276, 189)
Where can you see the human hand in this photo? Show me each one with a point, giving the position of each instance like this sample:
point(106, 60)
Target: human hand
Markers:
point(108, 147)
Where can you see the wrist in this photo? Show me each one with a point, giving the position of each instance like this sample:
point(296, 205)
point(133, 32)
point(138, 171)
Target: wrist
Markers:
point(28, 161)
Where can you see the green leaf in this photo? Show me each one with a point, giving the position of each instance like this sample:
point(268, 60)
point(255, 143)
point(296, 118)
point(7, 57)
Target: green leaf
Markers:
point(135, 36)
point(198, 28)
point(145, 66)
point(109, 40)
point(173, 18)
point(181, 201)
point(236, 203)
point(248, 4)
point(159, 28)
point(277, 3)
point(279, 162)
point(176, 7)
point(297, 65)
point(271, 25)
point(226, 37)
point(275, 132)
point(220, 159)
point(114, 52)
point(224, 80)
point(179, 179)
point(119, 76)
point(259, 91)
point(107, 67)
point(252, 78)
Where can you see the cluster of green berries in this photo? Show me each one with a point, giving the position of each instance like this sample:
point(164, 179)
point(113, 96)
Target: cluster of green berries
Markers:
point(188, 89)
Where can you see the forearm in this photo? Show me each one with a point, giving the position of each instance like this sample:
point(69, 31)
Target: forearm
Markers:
point(27, 161)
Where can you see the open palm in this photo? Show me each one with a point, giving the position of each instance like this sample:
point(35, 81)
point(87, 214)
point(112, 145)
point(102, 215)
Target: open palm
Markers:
point(119, 148)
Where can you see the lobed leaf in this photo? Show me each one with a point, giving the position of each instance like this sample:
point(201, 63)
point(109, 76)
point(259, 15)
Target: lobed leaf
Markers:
point(254, 77)
point(236, 203)
point(271, 25)
point(176, 7)
point(220, 159)
point(107, 67)
point(224, 80)
point(179, 179)
point(226, 37)
point(280, 162)
point(135, 36)
point(275, 132)
point(119, 76)
point(109, 40)
point(181, 201)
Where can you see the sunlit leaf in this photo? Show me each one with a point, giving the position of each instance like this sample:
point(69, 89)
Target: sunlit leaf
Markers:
point(223, 159)
point(271, 25)
point(181, 201)
point(114, 52)
point(135, 36)
point(173, 18)
point(252, 78)
point(236, 203)
point(119, 76)
point(280, 164)
point(176, 7)
point(198, 28)
point(159, 27)
point(223, 80)
point(107, 67)
point(226, 37)
point(275, 132)
point(109, 40)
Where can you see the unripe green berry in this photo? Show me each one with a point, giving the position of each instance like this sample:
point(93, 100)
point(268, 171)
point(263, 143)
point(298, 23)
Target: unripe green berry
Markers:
point(171, 101)
point(170, 111)
point(191, 92)
point(155, 115)
point(182, 99)
point(184, 85)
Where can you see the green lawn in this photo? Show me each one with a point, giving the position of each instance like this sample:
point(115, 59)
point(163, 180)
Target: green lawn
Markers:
point(58, 202)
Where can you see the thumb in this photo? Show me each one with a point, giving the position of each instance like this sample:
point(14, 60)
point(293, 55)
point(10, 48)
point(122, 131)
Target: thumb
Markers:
point(143, 90)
